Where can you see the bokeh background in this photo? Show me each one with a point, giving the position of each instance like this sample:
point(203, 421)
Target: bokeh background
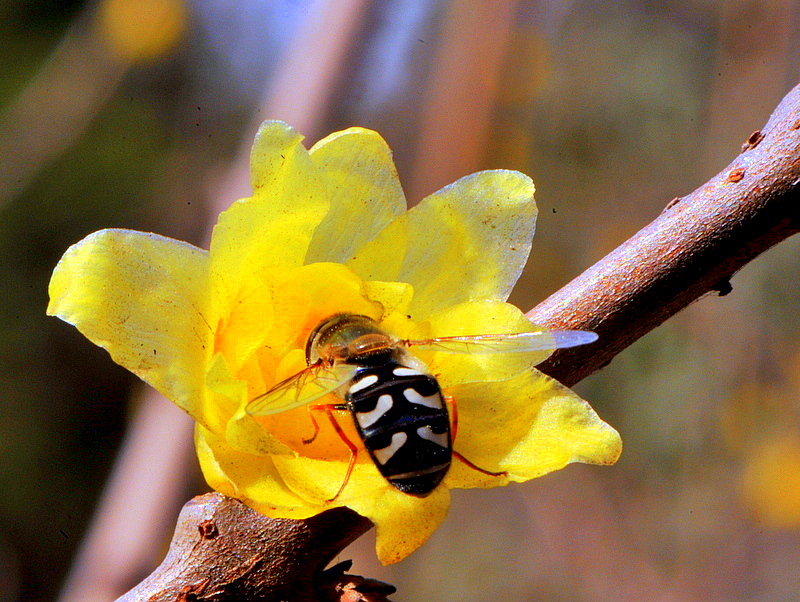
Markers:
point(140, 113)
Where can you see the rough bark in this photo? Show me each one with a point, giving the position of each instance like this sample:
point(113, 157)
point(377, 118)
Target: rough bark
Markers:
point(223, 550)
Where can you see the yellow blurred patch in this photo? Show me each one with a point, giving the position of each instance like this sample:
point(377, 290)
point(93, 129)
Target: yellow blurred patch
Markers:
point(771, 482)
point(753, 408)
point(142, 30)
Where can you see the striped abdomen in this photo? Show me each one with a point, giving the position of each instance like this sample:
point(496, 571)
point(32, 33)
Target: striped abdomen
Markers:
point(401, 417)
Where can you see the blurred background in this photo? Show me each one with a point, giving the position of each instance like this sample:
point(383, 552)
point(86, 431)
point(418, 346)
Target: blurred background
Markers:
point(140, 114)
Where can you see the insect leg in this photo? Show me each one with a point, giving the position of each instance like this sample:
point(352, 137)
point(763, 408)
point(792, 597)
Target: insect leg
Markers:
point(453, 417)
point(328, 409)
point(454, 430)
point(502, 473)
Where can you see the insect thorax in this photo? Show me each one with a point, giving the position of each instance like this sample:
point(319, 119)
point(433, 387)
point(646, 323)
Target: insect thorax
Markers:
point(350, 338)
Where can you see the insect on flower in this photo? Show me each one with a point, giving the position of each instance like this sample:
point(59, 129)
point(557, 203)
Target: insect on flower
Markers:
point(323, 275)
point(398, 407)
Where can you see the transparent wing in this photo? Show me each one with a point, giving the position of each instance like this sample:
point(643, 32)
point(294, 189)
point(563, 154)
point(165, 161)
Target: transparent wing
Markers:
point(312, 383)
point(521, 342)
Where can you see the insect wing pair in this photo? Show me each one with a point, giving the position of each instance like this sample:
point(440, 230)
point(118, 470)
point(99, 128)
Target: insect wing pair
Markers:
point(324, 376)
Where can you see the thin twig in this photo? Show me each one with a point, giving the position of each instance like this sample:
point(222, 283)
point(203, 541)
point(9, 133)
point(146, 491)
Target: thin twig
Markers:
point(691, 249)
point(465, 82)
point(57, 105)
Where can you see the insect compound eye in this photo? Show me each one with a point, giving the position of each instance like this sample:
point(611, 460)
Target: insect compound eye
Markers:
point(320, 337)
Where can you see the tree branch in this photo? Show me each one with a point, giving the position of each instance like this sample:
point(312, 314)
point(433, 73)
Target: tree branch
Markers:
point(694, 247)
point(222, 550)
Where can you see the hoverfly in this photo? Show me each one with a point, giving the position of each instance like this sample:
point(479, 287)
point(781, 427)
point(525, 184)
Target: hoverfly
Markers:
point(397, 405)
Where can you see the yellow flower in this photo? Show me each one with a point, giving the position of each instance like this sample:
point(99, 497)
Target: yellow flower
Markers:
point(327, 232)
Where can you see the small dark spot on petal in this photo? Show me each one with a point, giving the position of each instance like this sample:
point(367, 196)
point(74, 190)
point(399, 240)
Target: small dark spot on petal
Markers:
point(796, 125)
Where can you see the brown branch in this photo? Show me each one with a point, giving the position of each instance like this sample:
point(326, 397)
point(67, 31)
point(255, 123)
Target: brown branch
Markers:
point(223, 550)
point(692, 248)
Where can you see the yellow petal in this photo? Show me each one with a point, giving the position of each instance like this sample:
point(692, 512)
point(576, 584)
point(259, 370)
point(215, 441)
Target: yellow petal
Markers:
point(246, 434)
point(142, 297)
point(334, 288)
point(274, 226)
point(227, 394)
point(252, 479)
point(365, 194)
point(319, 471)
point(528, 426)
point(393, 296)
point(403, 522)
point(318, 480)
point(468, 241)
point(274, 317)
point(309, 296)
point(248, 323)
point(480, 317)
point(226, 414)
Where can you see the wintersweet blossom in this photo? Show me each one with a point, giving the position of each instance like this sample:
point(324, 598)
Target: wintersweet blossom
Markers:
point(326, 232)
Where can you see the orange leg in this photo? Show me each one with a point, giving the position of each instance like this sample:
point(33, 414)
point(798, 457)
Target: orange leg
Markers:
point(328, 409)
point(311, 410)
point(453, 417)
point(454, 430)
